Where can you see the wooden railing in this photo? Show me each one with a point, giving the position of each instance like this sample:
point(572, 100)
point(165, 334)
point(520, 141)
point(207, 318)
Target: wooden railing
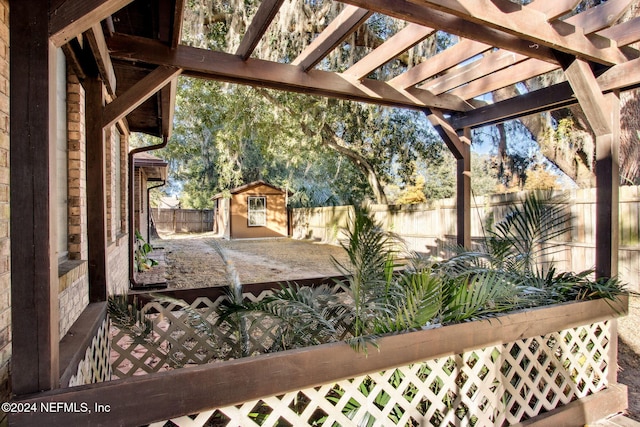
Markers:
point(501, 370)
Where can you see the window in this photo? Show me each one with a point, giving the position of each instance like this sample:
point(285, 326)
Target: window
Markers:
point(257, 211)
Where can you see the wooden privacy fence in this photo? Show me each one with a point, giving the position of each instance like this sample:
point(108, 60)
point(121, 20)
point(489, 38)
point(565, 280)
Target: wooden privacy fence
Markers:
point(431, 227)
point(182, 220)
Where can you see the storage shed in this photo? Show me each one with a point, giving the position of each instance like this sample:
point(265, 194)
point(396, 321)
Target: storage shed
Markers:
point(254, 210)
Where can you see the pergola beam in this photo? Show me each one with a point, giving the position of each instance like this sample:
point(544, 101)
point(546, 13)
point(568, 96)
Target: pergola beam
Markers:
point(98, 46)
point(74, 17)
point(503, 78)
point(346, 23)
point(259, 25)
point(599, 17)
point(492, 62)
point(553, 8)
point(138, 93)
point(531, 25)
point(399, 43)
point(207, 64)
point(403, 9)
point(176, 31)
point(625, 33)
point(620, 77)
point(438, 63)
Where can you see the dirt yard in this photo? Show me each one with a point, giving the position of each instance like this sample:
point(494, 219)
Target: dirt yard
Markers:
point(192, 262)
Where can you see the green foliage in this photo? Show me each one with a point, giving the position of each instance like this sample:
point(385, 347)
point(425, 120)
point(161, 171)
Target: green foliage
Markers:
point(141, 255)
point(377, 298)
point(127, 317)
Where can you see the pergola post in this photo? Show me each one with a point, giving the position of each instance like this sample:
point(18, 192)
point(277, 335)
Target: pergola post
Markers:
point(97, 203)
point(460, 147)
point(34, 264)
point(607, 192)
point(603, 114)
point(463, 190)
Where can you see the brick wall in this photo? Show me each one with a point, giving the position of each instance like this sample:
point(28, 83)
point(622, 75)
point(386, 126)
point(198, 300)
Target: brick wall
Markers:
point(77, 146)
point(5, 274)
point(118, 266)
point(74, 293)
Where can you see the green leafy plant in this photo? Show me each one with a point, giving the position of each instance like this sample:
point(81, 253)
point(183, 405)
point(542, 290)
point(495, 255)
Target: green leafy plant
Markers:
point(378, 298)
point(141, 256)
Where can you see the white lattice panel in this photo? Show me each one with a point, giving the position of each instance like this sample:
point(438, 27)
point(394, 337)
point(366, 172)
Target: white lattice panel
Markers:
point(492, 386)
point(174, 341)
point(96, 366)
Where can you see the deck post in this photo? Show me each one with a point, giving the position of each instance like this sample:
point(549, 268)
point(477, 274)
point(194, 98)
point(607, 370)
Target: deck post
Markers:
point(460, 146)
point(603, 114)
point(34, 263)
point(97, 197)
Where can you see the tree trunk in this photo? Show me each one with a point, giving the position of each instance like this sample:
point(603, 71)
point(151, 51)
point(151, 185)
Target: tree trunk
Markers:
point(333, 141)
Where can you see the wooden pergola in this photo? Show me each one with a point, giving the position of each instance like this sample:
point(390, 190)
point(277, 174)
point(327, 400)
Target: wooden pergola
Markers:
point(134, 49)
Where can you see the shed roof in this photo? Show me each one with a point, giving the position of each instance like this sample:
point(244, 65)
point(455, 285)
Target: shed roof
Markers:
point(249, 186)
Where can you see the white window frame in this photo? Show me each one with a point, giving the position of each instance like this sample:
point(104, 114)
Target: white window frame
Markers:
point(252, 211)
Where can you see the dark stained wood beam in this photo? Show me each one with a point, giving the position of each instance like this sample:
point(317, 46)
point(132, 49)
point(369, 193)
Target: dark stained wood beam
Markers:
point(460, 147)
point(73, 17)
point(625, 33)
point(138, 93)
point(408, 11)
point(502, 78)
point(603, 114)
point(402, 41)
point(607, 170)
point(168, 100)
point(550, 98)
point(621, 77)
point(587, 91)
point(335, 33)
point(462, 51)
point(178, 16)
point(96, 188)
point(34, 263)
point(491, 62)
point(598, 17)
point(98, 46)
point(259, 25)
point(203, 63)
point(553, 8)
point(531, 25)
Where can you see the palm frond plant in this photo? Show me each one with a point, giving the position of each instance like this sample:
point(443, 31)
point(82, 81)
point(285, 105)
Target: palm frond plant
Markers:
point(527, 235)
point(233, 309)
point(370, 289)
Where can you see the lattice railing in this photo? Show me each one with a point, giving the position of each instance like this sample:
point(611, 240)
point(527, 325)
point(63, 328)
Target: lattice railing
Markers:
point(185, 337)
point(95, 366)
point(495, 385)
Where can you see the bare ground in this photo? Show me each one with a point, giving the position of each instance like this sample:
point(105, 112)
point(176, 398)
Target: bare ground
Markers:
point(192, 262)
